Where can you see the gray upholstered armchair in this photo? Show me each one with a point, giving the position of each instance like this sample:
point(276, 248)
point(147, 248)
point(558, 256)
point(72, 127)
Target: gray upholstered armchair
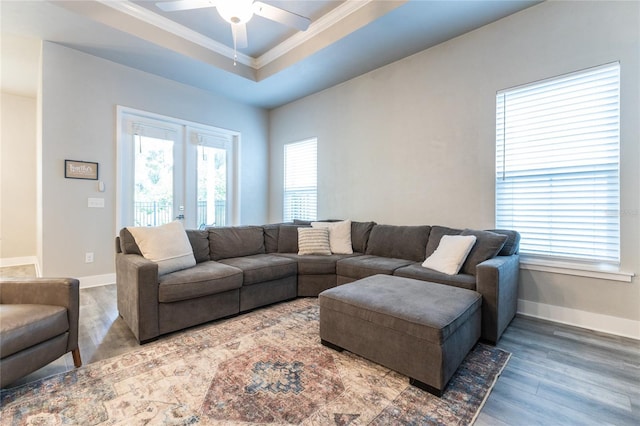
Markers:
point(38, 324)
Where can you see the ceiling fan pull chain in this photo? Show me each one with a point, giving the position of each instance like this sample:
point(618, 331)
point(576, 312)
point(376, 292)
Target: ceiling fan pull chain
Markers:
point(235, 47)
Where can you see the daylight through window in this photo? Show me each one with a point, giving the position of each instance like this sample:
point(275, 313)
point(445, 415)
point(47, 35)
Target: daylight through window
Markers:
point(557, 165)
point(300, 180)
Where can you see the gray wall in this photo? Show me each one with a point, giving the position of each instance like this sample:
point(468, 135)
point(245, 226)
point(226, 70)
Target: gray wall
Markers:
point(79, 96)
point(414, 142)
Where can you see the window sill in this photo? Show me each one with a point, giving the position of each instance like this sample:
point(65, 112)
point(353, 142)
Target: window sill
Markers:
point(574, 269)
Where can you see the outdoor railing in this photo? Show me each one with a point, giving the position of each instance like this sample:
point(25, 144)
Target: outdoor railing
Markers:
point(154, 213)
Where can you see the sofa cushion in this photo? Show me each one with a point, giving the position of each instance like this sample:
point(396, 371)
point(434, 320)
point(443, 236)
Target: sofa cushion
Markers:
point(24, 325)
point(128, 243)
point(512, 245)
point(199, 240)
point(450, 254)
point(201, 280)
point(288, 238)
point(366, 265)
point(235, 241)
point(399, 242)
point(360, 235)
point(313, 241)
point(436, 234)
point(261, 268)
point(167, 245)
point(339, 235)
point(271, 238)
point(488, 245)
point(316, 264)
point(418, 272)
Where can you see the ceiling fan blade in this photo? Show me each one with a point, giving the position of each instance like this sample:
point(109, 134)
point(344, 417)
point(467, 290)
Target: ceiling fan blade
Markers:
point(240, 35)
point(280, 15)
point(174, 6)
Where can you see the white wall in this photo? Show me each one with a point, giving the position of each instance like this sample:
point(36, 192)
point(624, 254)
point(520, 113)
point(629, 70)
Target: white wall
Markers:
point(18, 176)
point(79, 96)
point(414, 142)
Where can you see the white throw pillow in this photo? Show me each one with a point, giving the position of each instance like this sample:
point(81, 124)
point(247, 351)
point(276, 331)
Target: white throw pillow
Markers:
point(339, 235)
point(167, 245)
point(450, 254)
point(313, 241)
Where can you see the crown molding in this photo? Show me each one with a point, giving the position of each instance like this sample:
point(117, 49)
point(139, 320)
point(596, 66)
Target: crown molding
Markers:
point(320, 25)
point(147, 16)
point(316, 27)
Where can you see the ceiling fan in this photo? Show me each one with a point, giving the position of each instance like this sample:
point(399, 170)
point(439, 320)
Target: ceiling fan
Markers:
point(238, 13)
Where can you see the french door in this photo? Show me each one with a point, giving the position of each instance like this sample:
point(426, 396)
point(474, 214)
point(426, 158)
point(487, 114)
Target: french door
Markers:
point(170, 169)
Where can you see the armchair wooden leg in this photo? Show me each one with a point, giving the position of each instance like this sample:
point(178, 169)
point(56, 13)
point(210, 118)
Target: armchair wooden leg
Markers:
point(77, 362)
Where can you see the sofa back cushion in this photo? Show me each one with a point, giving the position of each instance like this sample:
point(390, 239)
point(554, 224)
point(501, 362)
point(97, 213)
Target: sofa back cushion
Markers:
point(271, 233)
point(512, 245)
point(436, 234)
point(128, 243)
point(400, 242)
point(199, 240)
point(360, 232)
point(235, 241)
point(487, 246)
point(288, 238)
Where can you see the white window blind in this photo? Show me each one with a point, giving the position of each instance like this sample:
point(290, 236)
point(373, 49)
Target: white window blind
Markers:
point(557, 165)
point(300, 180)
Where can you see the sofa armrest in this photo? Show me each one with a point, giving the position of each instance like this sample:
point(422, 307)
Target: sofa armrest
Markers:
point(46, 291)
point(497, 281)
point(137, 286)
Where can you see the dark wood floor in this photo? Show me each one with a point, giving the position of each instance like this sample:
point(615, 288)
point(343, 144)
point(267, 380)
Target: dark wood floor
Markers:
point(557, 375)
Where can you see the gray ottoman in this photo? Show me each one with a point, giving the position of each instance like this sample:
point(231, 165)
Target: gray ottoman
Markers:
point(420, 329)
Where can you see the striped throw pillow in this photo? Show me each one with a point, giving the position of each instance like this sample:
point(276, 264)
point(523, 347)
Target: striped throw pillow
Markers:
point(313, 241)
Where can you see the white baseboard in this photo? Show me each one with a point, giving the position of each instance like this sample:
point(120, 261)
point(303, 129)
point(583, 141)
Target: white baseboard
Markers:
point(589, 320)
point(97, 280)
point(17, 261)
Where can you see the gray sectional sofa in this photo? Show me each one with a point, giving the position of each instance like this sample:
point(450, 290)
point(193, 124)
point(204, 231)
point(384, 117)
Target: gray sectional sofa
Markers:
point(241, 268)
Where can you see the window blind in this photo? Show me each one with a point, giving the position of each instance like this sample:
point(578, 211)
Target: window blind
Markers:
point(199, 137)
point(557, 165)
point(150, 129)
point(300, 180)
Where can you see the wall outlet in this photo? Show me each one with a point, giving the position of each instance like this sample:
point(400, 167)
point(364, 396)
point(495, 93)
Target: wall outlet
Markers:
point(88, 257)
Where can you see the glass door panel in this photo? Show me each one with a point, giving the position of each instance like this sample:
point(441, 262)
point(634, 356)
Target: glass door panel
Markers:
point(153, 195)
point(212, 186)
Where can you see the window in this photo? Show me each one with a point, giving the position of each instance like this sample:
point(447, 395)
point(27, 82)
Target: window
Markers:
point(300, 180)
point(557, 165)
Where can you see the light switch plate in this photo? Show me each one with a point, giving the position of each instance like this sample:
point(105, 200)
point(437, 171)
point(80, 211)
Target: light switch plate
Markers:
point(96, 202)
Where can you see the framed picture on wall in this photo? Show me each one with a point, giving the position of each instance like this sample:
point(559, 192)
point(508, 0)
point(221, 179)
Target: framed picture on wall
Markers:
point(74, 169)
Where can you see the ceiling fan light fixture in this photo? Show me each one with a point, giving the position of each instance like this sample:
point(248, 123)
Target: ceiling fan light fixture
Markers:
point(235, 11)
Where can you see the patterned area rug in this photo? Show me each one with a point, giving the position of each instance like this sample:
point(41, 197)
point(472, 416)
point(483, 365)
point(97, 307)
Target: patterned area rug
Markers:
point(263, 367)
